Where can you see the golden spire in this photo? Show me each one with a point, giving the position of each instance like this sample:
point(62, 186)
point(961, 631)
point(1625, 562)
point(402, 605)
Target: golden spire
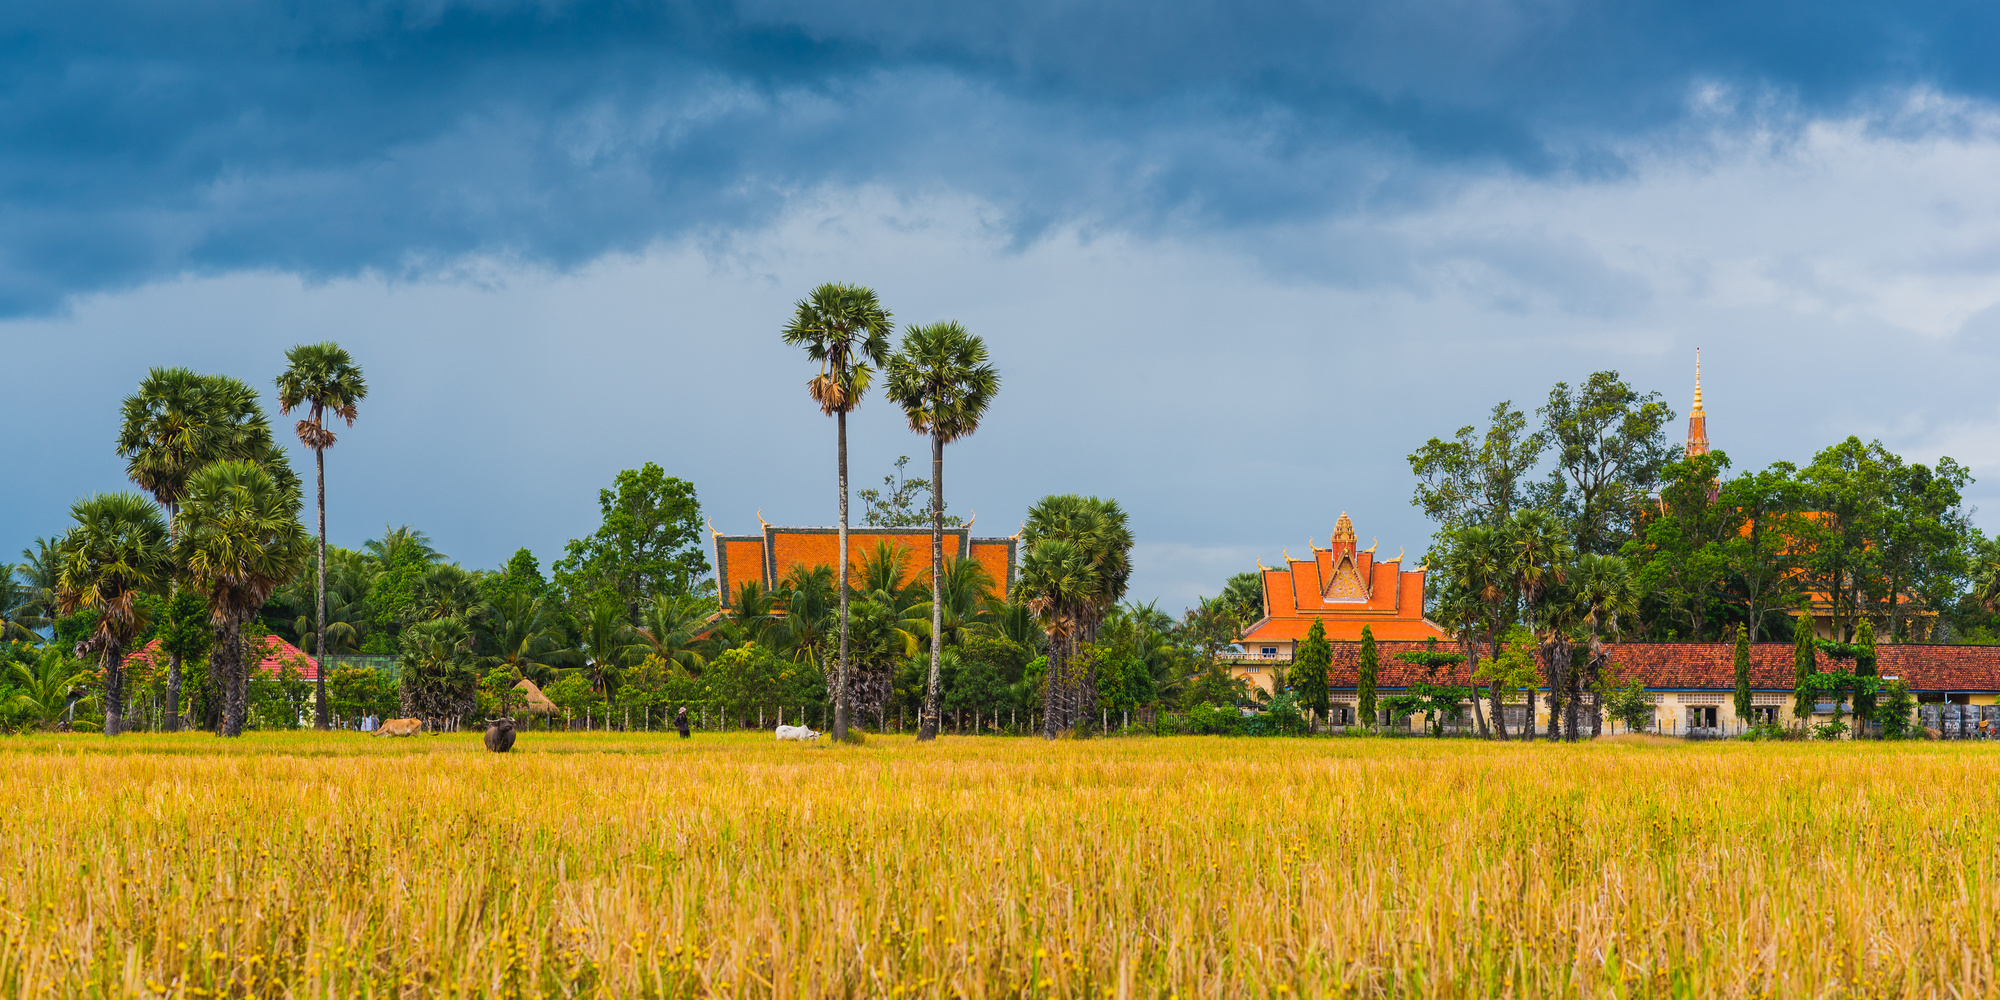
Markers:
point(1697, 418)
point(1697, 380)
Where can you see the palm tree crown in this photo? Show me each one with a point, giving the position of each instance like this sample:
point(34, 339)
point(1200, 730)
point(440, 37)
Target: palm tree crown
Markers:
point(846, 330)
point(321, 377)
point(942, 380)
point(117, 552)
point(240, 541)
point(179, 421)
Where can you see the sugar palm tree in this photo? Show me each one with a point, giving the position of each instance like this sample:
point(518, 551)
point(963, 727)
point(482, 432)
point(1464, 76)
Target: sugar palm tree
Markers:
point(323, 378)
point(176, 423)
point(180, 421)
point(1538, 562)
point(240, 541)
point(117, 552)
point(846, 330)
point(1074, 586)
point(1059, 584)
point(1604, 590)
point(944, 383)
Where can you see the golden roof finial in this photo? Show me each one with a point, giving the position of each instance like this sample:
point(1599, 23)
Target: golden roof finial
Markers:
point(1288, 554)
point(711, 528)
point(968, 522)
point(1261, 566)
point(760, 518)
point(1697, 380)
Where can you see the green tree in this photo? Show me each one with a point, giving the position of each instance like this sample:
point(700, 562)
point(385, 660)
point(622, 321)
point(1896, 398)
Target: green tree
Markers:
point(1682, 555)
point(21, 610)
point(439, 679)
point(240, 540)
point(1071, 587)
point(1761, 557)
point(1803, 668)
point(1539, 560)
point(1309, 671)
point(1510, 671)
point(1475, 480)
point(1864, 667)
point(323, 378)
point(1477, 583)
point(117, 552)
point(1243, 595)
point(185, 635)
point(845, 330)
point(1604, 590)
point(897, 507)
point(942, 380)
point(1743, 673)
point(1370, 670)
point(1610, 446)
point(177, 423)
point(46, 688)
point(609, 644)
point(650, 542)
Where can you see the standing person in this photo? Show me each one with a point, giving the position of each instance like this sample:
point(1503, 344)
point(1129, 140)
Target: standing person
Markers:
point(681, 721)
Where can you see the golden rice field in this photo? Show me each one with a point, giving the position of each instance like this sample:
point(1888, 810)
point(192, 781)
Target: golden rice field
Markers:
point(302, 865)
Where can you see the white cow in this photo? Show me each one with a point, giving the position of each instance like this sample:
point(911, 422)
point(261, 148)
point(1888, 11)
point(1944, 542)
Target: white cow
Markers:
point(796, 733)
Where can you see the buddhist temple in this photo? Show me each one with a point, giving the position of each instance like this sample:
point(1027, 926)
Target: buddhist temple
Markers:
point(768, 556)
point(1344, 586)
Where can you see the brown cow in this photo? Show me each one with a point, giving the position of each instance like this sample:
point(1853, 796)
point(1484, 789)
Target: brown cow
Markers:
point(400, 727)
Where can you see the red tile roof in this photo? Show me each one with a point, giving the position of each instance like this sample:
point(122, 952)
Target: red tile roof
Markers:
point(276, 652)
point(1711, 665)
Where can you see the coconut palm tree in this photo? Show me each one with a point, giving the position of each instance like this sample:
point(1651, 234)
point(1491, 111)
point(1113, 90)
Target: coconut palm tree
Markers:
point(240, 541)
point(609, 643)
point(117, 552)
point(967, 605)
point(671, 626)
point(323, 378)
point(944, 383)
point(845, 330)
point(20, 609)
point(47, 689)
point(524, 636)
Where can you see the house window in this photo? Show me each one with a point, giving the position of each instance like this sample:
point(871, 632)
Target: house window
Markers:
point(1252, 670)
point(1341, 715)
point(1764, 715)
point(1701, 717)
point(1269, 650)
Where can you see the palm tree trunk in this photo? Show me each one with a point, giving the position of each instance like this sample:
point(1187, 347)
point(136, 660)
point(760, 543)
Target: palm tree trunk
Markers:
point(173, 721)
point(1471, 647)
point(1052, 689)
point(114, 692)
point(840, 696)
point(227, 662)
point(319, 622)
point(928, 727)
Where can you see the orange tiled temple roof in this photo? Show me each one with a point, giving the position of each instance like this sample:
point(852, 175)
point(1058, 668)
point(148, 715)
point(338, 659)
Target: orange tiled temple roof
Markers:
point(766, 557)
point(1346, 587)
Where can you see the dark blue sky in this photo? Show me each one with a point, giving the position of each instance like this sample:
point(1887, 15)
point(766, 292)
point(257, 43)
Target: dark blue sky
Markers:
point(1236, 260)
